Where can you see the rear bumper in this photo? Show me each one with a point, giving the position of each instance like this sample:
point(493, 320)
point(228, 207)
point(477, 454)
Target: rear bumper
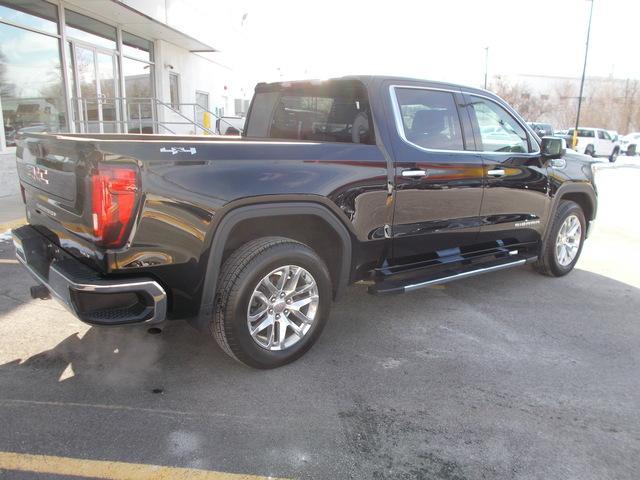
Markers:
point(89, 297)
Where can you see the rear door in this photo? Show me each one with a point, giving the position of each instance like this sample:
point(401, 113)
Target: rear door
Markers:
point(438, 177)
point(516, 186)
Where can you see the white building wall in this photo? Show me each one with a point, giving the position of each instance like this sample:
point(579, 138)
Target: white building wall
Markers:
point(196, 74)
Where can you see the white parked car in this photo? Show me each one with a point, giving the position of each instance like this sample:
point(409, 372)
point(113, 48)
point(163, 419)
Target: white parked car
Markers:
point(630, 144)
point(596, 142)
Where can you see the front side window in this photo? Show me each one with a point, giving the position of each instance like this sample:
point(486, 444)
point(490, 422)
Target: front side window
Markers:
point(429, 119)
point(499, 131)
point(603, 135)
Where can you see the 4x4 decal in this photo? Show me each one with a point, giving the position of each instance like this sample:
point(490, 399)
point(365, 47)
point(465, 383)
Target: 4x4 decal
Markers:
point(176, 150)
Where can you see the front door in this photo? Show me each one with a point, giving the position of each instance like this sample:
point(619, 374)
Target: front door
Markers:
point(438, 177)
point(95, 79)
point(516, 195)
point(604, 143)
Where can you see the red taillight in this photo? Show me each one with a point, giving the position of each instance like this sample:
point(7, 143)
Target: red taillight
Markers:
point(113, 198)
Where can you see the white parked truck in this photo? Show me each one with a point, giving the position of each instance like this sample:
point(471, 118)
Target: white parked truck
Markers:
point(596, 142)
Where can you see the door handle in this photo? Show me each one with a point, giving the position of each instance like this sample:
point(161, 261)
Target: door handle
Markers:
point(498, 172)
point(414, 173)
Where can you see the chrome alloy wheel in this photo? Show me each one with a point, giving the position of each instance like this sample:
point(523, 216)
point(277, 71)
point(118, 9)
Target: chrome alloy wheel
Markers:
point(283, 307)
point(568, 240)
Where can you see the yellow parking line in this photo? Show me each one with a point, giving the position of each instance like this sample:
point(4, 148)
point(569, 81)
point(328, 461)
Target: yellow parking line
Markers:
point(12, 224)
point(8, 261)
point(49, 464)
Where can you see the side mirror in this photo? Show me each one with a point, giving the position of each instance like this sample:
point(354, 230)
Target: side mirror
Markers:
point(553, 147)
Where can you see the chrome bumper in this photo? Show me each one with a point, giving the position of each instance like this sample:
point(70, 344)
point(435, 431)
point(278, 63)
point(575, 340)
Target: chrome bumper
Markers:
point(89, 297)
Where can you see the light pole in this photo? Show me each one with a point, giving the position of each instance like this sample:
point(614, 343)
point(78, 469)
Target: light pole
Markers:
point(574, 139)
point(486, 65)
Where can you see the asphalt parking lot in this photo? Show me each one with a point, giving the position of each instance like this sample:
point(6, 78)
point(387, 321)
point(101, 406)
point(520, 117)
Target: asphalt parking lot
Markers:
point(508, 375)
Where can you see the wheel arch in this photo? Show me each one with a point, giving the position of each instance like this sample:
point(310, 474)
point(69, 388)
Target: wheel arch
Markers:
point(308, 222)
point(582, 198)
point(582, 194)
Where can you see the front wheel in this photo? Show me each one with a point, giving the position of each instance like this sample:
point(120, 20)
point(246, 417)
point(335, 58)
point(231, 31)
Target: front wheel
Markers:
point(614, 156)
point(272, 303)
point(563, 245)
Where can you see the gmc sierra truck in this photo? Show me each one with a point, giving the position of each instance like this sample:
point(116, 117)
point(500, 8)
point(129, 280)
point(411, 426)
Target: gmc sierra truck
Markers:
point(404, 183)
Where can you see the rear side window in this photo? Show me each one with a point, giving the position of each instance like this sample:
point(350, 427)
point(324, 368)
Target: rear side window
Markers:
point(583, 133)
point(429, 119)
point(326, 112)
point(499, 131)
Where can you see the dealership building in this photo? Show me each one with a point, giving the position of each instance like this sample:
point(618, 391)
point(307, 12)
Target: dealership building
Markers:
point(106, 66)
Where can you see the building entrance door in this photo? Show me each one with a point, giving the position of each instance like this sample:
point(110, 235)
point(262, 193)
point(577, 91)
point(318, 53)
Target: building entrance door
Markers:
point(95, 78)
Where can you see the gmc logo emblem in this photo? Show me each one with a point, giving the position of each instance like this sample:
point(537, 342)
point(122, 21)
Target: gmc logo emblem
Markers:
point(40, 174)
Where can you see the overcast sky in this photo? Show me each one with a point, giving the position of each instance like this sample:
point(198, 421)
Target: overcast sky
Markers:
point(441, 40)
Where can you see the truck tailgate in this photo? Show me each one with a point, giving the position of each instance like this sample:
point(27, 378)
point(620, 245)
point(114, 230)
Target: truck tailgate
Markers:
point(71, 196)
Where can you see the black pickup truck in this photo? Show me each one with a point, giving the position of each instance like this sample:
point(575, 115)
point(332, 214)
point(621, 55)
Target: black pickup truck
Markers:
point(401, 182)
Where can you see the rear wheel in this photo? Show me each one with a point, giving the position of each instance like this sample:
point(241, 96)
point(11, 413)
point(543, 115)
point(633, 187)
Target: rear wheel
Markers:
point(272, 303)
point(563, 245)
point(590, 151)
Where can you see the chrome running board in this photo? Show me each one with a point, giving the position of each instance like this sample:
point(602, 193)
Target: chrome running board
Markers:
point(415, 282)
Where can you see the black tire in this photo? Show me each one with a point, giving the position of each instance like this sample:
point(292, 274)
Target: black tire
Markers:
point(240, 275)
point(590, 151)
point(547, 263)
point(631, 151)
point(614, 155)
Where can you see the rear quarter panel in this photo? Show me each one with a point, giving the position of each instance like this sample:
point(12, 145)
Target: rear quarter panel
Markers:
point(185, 195)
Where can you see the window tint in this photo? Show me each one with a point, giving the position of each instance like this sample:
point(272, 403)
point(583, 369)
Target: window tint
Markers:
point(336, 112)
point(603, 135)
point(136, 47)
point(430, 119)
point(90, 30)
point(499, 131)
point(36, 14)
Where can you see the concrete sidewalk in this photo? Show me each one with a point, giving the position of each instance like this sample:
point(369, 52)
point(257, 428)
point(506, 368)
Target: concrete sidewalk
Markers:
point(12, 212)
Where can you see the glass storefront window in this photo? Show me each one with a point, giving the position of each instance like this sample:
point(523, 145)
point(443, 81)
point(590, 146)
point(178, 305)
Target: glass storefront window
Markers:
point(36, 14)
point(89, 30)
point(31, 86)
point(138, 88)
point(136, 47)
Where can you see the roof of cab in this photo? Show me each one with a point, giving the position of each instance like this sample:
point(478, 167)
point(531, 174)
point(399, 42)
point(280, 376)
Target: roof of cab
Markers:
point(368, 80)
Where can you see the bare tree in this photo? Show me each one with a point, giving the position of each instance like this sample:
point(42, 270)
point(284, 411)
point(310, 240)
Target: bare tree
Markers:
point(607, 103)
point(531, 106)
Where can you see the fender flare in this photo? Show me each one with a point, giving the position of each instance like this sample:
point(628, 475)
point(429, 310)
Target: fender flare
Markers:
point(573, 188)
point(232, 218)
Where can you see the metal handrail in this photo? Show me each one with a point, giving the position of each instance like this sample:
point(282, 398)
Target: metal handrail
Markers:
point(80, 115)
